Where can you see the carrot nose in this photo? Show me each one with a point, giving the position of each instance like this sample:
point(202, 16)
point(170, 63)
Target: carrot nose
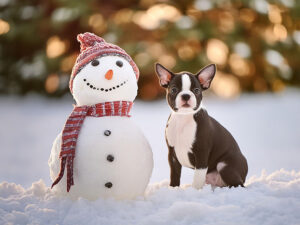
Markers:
point(109, 75)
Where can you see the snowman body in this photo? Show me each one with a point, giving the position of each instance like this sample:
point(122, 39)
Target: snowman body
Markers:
point(113, 158)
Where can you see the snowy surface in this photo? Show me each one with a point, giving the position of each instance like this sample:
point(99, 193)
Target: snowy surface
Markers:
point(268, 199)
point(267, 128)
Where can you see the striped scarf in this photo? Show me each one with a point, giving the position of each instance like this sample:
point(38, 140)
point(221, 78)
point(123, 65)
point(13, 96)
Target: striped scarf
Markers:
point(72, 128)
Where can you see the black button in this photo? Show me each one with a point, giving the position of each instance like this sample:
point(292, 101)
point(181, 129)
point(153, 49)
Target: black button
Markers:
point(107, 132)
point(110, 158)
point(108, 185)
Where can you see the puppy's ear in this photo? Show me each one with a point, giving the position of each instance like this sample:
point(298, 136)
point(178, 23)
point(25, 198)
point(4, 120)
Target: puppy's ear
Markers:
point(206, 75)
point(163, 74)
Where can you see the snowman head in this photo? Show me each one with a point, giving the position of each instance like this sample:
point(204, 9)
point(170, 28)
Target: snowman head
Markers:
point(103, 72)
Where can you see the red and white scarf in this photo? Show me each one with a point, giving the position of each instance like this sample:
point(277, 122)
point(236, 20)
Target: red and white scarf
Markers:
point(72, 128)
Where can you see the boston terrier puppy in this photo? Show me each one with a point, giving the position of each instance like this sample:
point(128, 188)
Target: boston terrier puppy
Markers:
point(195, 139)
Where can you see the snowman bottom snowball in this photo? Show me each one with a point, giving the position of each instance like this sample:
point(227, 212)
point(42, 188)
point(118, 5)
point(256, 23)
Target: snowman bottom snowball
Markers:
point(101, 152)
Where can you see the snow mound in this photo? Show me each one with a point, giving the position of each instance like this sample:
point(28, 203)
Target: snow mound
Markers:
point(267, 199)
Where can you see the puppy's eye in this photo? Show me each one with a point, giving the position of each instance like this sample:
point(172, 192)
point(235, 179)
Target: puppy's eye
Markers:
point(119, 63)
point(95, 62)
point(173, 90)
point(197, 91)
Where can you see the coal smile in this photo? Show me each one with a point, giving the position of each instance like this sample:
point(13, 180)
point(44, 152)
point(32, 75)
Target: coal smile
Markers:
point(104, 89)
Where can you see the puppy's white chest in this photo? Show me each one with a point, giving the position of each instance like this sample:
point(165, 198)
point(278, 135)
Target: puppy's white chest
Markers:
point(180, 134)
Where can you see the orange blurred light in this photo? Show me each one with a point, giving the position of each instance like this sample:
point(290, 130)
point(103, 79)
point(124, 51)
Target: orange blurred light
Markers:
point(4, 27)
point(97, 22)
point(280, 32)
point(269, 35)
point(68, 62)
point(226, 22)
point(164, 12)
point(247, 15)
point(278, 85)
point(155, 49)
point(55, 47)
point(52, 83)
point(123, 16)
point(226, 85)
point(186, 52)
point(145, 21)
point(274, 14)
point(217, 51)
point(151, 18)
point(239, 65)
point(167, 60)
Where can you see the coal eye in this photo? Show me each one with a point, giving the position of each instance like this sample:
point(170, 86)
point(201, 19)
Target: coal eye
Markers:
point(197, 91)
point(119, 63)
point(173, 90)
point(95, 62)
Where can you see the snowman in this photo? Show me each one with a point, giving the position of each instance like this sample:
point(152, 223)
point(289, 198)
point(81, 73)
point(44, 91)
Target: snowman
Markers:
point(101, 152)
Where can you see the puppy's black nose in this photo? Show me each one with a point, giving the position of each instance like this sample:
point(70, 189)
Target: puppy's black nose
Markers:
point(185, 97)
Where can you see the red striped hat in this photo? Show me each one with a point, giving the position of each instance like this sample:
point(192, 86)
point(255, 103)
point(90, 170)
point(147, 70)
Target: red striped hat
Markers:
point(91, 47)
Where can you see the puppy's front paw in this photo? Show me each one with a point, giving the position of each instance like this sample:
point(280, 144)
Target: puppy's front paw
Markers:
point(197, 184)
point(199, 178)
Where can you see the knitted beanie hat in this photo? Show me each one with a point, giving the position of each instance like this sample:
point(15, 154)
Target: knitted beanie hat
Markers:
point(91, 47)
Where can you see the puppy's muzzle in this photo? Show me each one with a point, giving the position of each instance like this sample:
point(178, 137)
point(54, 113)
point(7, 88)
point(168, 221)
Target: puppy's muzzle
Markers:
point(185, 100)
point(185, 97)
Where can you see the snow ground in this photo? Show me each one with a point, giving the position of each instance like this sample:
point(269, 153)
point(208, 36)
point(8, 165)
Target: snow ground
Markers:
point(267, 128)
point(268, 200)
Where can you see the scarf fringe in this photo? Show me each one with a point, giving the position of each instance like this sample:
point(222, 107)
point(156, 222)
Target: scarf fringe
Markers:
point(65, 161)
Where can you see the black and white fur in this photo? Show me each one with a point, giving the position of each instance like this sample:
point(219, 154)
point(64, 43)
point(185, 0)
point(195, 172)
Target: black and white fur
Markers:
point(195, 139)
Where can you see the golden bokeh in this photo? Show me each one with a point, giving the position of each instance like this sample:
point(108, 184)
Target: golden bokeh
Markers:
point(217, 51)
point(238, 65)
point(151, 18)
point(97, 22)
point(4, 27)
point(226, 85)
point(253, 43)
point(280, 32)
point(278, 85)
point(247, 15)
point(123, 16)
point(186, 52)
point(274, 14)
point(269, 36)
point(226, 22)
point(167, 60)
point(56, 47)
point(145, 21)
point(165, 12)
point(155, 49)
point(68, 62)
point(52, 83)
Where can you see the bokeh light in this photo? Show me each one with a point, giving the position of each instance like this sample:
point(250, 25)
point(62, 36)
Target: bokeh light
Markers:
point(4, 27)
point(255, 44)
point(226, 85)
point(52, 83)
point(217, 51)
point(56, 47)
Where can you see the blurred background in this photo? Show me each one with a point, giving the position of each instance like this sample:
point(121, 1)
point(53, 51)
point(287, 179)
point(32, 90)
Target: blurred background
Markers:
point(255, 94)
point(255, 43)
